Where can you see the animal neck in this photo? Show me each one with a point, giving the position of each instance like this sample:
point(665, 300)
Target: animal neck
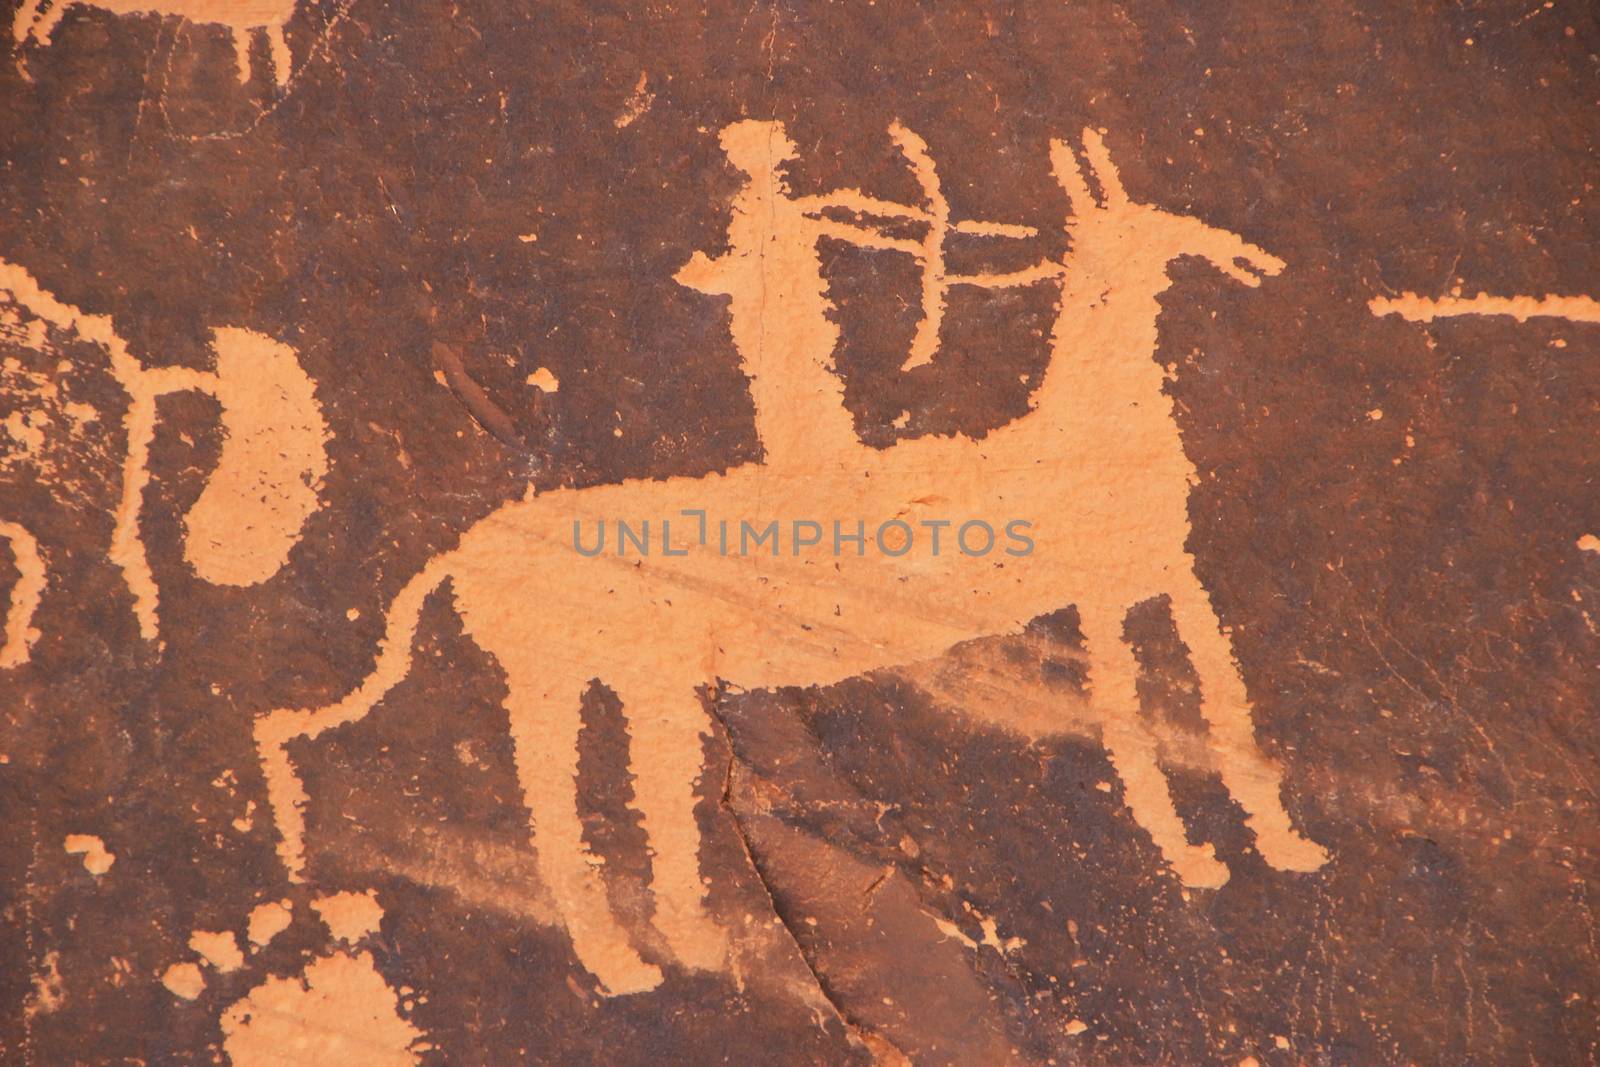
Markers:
point(1102, 349)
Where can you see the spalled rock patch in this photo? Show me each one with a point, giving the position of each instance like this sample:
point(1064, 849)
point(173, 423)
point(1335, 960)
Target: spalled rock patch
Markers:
point(340, 1012)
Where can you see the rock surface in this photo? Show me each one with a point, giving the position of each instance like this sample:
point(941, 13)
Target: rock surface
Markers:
point(322, 322)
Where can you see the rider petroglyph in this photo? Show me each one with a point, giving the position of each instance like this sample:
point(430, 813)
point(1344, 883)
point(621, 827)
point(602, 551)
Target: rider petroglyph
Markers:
point(1097, 467)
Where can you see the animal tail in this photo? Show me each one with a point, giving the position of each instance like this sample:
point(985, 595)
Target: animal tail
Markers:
point(25, 595)
point(286, 797)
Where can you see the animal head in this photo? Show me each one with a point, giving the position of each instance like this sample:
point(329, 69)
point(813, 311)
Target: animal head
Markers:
point(1115, 232)
point(757, 147)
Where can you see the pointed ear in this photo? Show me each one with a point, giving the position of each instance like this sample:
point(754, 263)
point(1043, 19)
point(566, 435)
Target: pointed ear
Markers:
point(274, 454)
point(1104, 171)
point(915, 149)
point(1064, 164)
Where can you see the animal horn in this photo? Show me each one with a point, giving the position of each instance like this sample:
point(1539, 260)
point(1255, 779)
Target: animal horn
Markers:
point(1104, 171)
point(274, 454)
point(1064, 164)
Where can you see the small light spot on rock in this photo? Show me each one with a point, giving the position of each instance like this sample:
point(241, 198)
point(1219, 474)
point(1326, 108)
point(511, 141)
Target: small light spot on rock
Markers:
point(96, 860)
point(349, 916)
point(220, 949)
point(184, 980)
point(267, 921)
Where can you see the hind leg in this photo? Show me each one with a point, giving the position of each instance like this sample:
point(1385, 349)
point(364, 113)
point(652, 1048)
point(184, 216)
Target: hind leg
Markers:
point(241, 53)
point(667, 725)
point(1253, 780)
point(546, 716)
point(278, 48)
point(1113, 677)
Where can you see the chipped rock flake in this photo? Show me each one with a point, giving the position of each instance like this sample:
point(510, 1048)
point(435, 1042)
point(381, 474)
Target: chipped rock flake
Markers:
point(184, 980)
point(220, 949)
point(349, 916)
point(96, 860)
point(267, 921)
point(339, 1013)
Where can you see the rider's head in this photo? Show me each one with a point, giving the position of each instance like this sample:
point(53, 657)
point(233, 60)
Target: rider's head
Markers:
point(757, 146)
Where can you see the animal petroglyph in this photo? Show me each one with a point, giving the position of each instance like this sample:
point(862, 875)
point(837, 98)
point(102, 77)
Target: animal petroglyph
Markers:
point(241, 529)
point(1097, 466)
point(37, 20)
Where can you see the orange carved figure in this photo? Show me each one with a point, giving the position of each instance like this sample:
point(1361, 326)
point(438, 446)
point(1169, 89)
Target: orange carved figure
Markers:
point(1097, 468)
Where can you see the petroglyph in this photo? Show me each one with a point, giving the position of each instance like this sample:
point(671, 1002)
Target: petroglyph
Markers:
point(1098, 468)
point(1522, 308)
point(778, 308)
point(38, 20)
point(339, 1011)
point(1416, 308)
point(250, 515)
point(25, 594)
point(275, 455)
point(349, 916)
point(185, 980)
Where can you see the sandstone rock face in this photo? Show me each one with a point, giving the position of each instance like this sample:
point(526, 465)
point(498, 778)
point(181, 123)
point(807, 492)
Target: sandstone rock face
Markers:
point(798, 534)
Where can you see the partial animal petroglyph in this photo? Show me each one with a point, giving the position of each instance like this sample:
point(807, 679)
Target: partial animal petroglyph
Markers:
point(25, 594)
point(241, 529)
point(273, 458)
point(37, 20)
point(1416, 308)
point(1097, 467)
